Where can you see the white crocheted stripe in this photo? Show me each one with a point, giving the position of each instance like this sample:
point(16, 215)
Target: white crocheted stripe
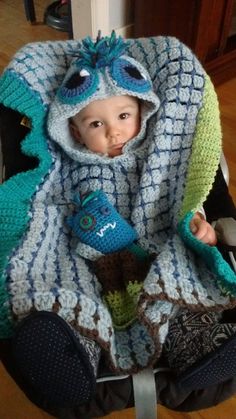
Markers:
point(42, 65)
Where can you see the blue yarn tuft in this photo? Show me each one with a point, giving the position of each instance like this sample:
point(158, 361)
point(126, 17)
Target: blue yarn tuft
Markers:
point(102, 52)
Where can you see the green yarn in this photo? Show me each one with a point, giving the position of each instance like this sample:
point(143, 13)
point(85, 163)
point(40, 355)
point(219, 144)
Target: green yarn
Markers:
point(123, 305)
point(133, 289)
point(226, 277)
point(206, 142)
point(207, 137)
point(16, 192)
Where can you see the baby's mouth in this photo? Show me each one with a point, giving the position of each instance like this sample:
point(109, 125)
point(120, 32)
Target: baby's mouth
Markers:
point(117, 149)
point(118, 146)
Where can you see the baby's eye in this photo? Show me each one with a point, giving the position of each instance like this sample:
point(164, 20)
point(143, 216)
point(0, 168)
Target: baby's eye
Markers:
point(124, 115)
point(95, 124)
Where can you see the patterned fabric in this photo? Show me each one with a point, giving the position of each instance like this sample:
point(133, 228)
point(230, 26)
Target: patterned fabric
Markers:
point(192, 336)
point(152, 186)
point(92, 349)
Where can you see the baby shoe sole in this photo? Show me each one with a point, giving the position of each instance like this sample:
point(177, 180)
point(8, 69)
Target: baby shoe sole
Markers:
point(52, 361)
point(213, 369)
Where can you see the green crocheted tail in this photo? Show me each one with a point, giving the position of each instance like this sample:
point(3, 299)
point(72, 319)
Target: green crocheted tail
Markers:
point(200, 178)
point(16, 193)
point(207, 142)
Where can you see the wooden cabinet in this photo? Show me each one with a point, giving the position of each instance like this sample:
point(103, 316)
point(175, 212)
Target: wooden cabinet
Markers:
point(207, 26)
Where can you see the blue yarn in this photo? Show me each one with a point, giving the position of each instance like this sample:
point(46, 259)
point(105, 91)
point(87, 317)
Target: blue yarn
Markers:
point(102, 52)
point(80, 92)
point(121, 75)
point(99, 225)
point(99, 68)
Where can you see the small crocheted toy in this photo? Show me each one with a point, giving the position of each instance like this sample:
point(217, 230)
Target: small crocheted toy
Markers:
point(123, 266)
point(98, 225)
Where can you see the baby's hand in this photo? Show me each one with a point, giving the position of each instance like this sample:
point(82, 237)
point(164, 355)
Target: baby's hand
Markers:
point(202, 230)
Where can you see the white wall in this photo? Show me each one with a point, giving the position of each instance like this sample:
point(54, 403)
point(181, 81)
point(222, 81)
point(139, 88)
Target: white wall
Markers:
point(120, 13)
point(88, 16)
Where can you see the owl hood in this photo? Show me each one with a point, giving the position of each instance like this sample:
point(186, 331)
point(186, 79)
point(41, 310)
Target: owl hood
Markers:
point(101, 70)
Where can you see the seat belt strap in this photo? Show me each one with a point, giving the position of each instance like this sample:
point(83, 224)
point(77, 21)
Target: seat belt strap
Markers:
point(145, 398)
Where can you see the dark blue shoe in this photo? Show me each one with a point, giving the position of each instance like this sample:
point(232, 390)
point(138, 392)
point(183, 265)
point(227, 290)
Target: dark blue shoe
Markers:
point(214, 368)
point(52, 361)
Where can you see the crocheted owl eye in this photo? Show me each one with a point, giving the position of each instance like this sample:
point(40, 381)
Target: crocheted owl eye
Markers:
point(105, 210)
point(129, 77)
point(78, 86)
point(87, 222)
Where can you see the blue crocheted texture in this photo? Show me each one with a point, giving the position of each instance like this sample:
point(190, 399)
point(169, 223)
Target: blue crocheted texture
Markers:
point(101, 66)
point(146, 188)
point(98, 224)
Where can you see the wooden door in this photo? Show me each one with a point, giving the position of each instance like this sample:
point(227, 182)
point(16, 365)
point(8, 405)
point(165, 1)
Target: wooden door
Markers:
point(203, 25)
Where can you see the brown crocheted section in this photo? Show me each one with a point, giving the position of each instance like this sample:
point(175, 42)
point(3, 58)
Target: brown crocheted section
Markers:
point(121, 275)
point(116, 270)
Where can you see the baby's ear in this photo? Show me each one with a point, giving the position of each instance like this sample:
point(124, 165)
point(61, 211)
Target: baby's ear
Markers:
point(75, 131)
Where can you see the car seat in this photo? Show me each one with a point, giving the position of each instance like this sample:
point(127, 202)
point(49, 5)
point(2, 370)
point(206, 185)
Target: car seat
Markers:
point(114, 392)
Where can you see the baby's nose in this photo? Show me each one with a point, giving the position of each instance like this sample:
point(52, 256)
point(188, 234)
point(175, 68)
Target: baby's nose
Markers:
point(113, 133)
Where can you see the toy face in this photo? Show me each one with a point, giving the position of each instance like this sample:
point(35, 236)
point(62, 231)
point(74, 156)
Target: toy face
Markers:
point(99, 225)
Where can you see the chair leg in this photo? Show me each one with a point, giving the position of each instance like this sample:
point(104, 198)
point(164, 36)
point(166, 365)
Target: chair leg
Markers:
point(30, 10)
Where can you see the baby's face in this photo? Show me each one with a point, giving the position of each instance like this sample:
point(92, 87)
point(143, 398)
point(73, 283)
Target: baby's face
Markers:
point(105, 126)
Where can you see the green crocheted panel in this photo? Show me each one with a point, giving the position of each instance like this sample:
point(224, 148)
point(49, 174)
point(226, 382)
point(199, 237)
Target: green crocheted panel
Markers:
point(204, 162)
point(206, 151)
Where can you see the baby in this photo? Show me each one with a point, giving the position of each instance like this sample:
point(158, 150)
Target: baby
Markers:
point(134, 133)
point(106, 126)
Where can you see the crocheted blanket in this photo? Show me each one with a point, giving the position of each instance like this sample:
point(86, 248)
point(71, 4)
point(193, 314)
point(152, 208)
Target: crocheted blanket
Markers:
point(157, 185)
